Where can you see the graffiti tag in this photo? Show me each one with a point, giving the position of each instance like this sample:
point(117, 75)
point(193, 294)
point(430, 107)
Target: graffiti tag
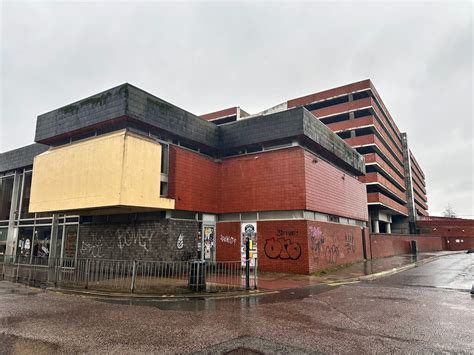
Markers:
point(332, 253)
point(129, 237)
point(286, 233)
point(228, 239)
point(93, 248)
point(349, 244)
point(180, 242)
point(317, 241)
point(282, 248)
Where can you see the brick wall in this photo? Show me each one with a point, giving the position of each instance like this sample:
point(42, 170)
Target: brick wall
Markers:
point(140, 241)
point(287, 179)
point(259, 182)
point(383, 245)
point(330, 190)
point(332, 244)
point(294, 246)
point(447, 227)
point(192, 181)
point(228, 241)
point(283, 246)
point(458, 243)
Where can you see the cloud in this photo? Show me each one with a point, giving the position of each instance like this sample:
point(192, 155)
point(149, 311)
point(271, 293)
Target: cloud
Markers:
point(204, 56)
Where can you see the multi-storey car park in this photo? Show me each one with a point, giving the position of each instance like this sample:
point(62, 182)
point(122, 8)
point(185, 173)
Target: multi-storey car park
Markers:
point(396, 188)
point(124, 175)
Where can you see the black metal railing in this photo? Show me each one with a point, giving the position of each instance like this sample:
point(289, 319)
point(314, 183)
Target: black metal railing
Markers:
point(137, 276)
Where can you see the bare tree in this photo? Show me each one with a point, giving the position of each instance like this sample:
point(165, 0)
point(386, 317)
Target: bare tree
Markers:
point(449, 212)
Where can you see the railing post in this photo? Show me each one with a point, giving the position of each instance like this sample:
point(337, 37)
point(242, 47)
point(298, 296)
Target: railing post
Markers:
point(87, 274)
point(134, 275)
point(18, 271)
point(56, 272)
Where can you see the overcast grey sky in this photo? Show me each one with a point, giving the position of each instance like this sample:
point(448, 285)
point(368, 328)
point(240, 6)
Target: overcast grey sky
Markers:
point(204, 56)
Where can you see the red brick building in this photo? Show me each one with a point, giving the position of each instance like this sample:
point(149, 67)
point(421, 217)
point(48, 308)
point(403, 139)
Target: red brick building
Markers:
point(125, 175)
point(395, 182)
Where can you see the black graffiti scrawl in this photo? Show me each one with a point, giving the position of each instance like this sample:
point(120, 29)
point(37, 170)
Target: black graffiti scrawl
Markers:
point(317, 242)
point(282, 248)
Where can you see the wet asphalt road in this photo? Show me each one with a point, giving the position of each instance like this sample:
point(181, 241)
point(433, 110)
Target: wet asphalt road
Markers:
point(425, 309)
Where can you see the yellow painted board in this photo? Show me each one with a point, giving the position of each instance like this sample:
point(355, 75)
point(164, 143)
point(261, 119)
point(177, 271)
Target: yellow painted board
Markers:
point(117, 169)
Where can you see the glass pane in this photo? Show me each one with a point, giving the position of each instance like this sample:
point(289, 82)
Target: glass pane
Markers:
point(6, 192)
point(70, 242)
point(42, 242)
point(25, 203)
point(3, 234)
point(25, 236)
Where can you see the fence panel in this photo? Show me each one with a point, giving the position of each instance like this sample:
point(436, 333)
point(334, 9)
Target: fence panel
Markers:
point(160, 277)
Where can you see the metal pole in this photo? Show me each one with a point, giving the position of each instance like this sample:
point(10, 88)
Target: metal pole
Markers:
point(247, 264)
point(255, 274)
point(3, 266)
point(134, 275)
point(56, 261)
point(87, 273)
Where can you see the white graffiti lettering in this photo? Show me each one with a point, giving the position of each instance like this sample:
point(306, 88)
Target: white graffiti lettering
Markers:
point(93, 248)
point(228, 239)
point(129, 237)
point(180, 242)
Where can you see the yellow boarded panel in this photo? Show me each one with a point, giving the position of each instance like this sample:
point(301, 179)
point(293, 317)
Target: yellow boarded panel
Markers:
point(118, 169)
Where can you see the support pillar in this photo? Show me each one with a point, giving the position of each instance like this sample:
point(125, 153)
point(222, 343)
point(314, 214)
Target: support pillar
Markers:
point(389, 228)
point(375, 226)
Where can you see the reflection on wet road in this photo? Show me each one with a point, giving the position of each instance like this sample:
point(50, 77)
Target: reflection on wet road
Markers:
point(222, 304)
point(402, 313)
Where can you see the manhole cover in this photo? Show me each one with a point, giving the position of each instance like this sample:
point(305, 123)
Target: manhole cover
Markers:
point(252, 345)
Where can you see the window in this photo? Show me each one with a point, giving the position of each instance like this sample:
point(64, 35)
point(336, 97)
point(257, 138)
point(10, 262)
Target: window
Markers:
point(25, 202)
point(6, 193)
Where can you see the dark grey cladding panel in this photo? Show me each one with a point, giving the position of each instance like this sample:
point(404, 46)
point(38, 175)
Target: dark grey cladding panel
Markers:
point(126, 100)
point(20, 157)
point(93, 110)
point(296, 122)
point(261, 129)
point(159, 113)
point(317, 131)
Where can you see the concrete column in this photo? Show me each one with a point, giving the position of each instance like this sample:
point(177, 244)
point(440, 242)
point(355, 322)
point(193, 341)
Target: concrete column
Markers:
point(54, 238)
point(375, 226)
point(353, 133)
point(389, 228)
point(14, 214)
